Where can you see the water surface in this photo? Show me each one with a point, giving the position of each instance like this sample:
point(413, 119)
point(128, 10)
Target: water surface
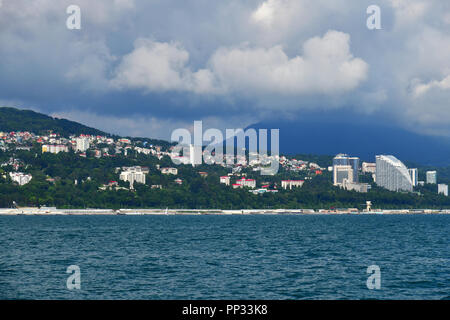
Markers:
point(225, 257)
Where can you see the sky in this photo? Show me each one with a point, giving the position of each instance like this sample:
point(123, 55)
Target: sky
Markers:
point(147, 67)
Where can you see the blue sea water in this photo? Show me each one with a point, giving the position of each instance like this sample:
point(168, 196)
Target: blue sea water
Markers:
point(225, 257)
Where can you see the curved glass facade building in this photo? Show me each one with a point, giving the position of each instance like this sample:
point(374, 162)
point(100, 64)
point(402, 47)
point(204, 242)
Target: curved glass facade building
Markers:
point(392, 174)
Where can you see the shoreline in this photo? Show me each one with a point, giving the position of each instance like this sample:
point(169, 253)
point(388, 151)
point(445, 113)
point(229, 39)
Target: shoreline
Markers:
point(67, 212)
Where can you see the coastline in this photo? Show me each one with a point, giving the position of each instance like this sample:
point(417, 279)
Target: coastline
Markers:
point(111, 212)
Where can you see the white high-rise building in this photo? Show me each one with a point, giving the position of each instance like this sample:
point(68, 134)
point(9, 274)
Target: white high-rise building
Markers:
point(82, 144)
point(195, 155)
point(432, 177)
point(443, 189)
point(413, 173)
point(392, 174)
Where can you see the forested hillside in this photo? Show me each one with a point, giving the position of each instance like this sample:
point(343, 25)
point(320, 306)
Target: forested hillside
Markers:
point(12, 119)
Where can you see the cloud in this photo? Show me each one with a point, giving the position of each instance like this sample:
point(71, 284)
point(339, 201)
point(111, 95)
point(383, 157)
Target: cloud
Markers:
point(124, 4)
point(265, 12)
point(91, 70)
point(175, 60)
point(282, 21)
point(131, 125)
point(326, 67)
point(157, 66)
point(409, 11)
point(422, 88)
point(137, 125)
point(446, 18)
point(97, 12)
point(429, 108)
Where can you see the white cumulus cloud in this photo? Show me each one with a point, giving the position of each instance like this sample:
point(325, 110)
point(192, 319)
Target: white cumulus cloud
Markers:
point(422, 88)
point(265, 12)
point(326, 66)
point(158, 66)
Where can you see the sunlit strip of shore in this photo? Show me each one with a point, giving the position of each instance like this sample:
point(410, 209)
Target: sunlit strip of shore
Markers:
point(54, 211)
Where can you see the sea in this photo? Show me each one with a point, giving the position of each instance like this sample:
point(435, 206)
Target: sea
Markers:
point(289, 257)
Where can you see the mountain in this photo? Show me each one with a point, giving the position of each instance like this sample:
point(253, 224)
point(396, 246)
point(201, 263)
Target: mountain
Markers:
point(361, 136)
point(12, 119)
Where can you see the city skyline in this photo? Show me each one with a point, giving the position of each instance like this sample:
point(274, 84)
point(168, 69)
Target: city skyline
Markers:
point(387, 171)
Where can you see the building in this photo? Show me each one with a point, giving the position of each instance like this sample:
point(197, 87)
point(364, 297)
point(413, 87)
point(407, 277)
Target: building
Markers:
point(112, 185)
point(413, 173)
point(369, 167)
point(358, 187)
point(345, 160)
point(341, 172)
point(225, 180)
point(443, 189)
point(20, 177)
point(432, 177)
point(392, 174)
point(250, 183)
point(195, 154)
point(291, 183)
point(173, 171)
point(262, 191)
point(82, 144)
point(97, 153)
point(132, 175)
point(124, 141)
point(258, 191)
point(54, 148)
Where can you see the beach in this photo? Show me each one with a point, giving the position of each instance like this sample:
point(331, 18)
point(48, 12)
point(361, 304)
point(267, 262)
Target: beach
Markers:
point(93, 211)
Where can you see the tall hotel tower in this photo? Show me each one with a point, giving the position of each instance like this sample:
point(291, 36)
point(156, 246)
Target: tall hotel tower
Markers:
point(392, 174)
point(413, 173)
point(345, 167)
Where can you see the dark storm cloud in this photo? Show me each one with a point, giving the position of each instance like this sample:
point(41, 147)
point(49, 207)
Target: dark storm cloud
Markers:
point(231, 63)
